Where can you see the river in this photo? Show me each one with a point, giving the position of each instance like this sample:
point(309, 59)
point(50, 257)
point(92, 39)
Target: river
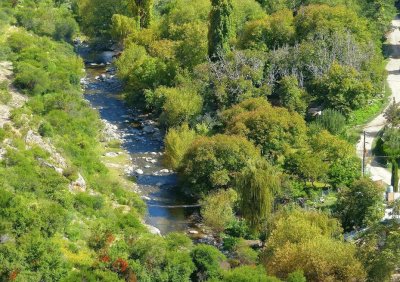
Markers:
point(142, 140)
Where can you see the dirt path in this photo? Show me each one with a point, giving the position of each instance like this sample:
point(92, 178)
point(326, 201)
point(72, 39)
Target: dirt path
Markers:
point(374, 169)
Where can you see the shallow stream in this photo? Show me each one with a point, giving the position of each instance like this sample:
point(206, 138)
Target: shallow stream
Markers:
point(143, 140)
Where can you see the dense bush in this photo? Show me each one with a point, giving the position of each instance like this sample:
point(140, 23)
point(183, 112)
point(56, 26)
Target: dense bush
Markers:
point(309, 241)
point(5, 95)
point(274, 129)
point(177, 105)
point(213, 162)
point(207, 260)
point(45, 18)
point(331, 120)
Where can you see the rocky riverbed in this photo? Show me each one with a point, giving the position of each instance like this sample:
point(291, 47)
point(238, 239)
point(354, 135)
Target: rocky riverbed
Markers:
point(142, 139)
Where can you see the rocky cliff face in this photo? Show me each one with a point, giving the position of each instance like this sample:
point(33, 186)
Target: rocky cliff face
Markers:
point(15, 100)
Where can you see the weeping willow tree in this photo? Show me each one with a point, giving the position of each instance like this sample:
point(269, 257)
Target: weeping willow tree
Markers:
point(257, 186)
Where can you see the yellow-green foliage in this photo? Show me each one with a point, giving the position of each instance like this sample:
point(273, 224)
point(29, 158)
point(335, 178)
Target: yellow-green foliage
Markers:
point(122, 26)
point(275, 129)
point(177, 142)
point(213, 162)
point(310, 241)
point(217, 209)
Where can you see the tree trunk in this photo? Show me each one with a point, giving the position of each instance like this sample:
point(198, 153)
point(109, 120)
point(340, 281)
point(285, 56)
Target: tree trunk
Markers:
point(395, 175)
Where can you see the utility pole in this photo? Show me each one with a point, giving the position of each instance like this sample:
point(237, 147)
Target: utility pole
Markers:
point(364, 156)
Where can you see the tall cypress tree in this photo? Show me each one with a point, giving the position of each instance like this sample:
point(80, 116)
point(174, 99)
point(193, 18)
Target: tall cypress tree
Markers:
point(391, 147)
point(143, 9)
point(220, 27)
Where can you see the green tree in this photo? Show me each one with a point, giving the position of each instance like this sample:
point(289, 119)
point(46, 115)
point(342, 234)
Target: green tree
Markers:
point(326, 19)
point(274, 129)
point(220, 28)
point(343, 164)
point(140, 71)
point(310, 241)
point(270, 32)
point(213, 163)
point(344, 171)
point(360, 205)
point(192, 47)
point(344, 89)
point(95, 15)
point(379, 250)
point(291, 96)
point(122, 26)
point(217, 209)
point(182, 105)
point(391, 147)
point(143, 9)
point(307, 165)
point(257, 185)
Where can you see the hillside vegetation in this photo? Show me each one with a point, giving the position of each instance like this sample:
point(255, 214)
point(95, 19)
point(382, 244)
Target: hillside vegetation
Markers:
point(236, 85)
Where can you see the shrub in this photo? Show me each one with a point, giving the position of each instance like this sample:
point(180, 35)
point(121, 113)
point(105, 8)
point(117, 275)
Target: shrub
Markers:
point(247, 274)
point(5, 95)
point(31, 78)
point(181, 105)
point(177, 142)
point(46, 19)
point(122, 26)
point(217, 209)
point(207, 260)
point(331, 120)
point(45, 129)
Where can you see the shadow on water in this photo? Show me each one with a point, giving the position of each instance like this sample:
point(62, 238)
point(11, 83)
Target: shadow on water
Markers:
point(142, 139)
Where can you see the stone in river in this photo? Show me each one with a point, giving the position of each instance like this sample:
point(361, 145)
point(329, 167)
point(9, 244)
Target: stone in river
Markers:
point(193, 232)
point(139, 171)
point(149, 129)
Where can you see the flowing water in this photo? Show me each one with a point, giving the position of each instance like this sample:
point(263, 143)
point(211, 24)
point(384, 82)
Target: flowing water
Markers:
point(143, 141)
